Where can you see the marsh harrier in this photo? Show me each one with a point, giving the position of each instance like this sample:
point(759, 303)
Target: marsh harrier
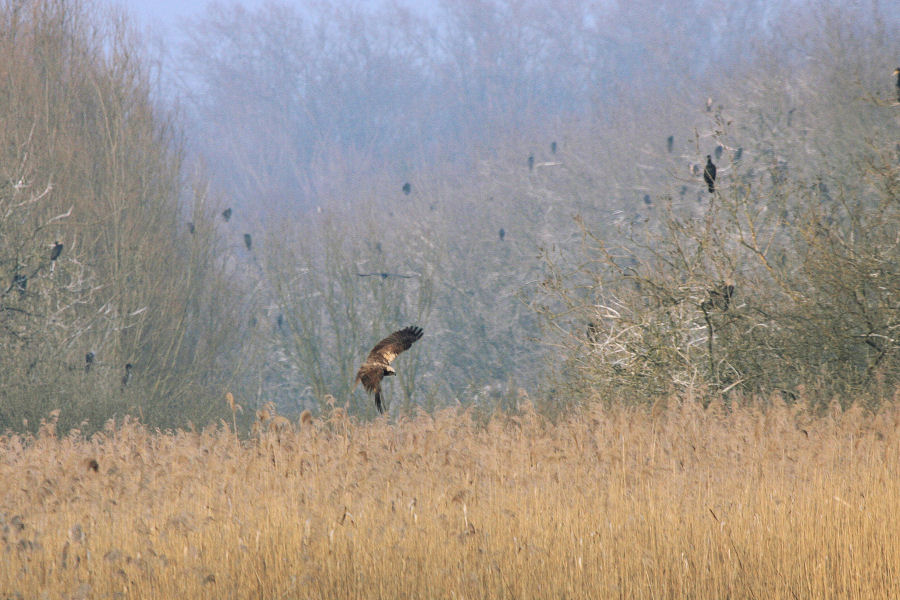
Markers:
point(378, 363)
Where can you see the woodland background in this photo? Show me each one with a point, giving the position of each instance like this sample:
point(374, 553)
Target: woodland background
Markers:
point(577, 130)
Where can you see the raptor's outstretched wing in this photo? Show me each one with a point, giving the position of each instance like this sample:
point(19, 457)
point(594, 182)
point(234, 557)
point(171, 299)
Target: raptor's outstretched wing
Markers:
point(387, 349)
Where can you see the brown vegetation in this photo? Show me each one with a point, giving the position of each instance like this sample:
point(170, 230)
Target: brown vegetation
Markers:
point(761, 500)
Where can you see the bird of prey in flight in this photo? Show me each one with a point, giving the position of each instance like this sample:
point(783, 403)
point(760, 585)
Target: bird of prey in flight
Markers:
point(386, 275)
point(378, 363)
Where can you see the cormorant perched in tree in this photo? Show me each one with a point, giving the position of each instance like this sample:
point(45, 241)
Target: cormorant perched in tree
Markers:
point(709, 174)
point(20, 282)
point(126, 379)
point(407, 188)
point(719, 298)
point(531, 162)
point(738, 153)
point(502, 233)
point(280, 322)
point(670, 143)
point(226, 214)
point(647, 200)
point(88, 361)
point(248, 241)
point(552, 147)
point(56, 251)
point(191, 227)
point(897, 73)
point(719, 149)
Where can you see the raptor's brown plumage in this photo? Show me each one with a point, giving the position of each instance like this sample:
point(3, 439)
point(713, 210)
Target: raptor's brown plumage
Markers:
point(378, 363)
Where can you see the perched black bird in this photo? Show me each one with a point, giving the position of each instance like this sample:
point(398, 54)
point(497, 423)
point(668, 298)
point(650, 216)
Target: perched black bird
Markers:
point(226, 214)
point(670, 143)
point(20, 282)
point(552, 147)
point(191, 227)
point(647, 200)
point(719, 149)
point(88, 361)
point(407, 188)
point(56, 251)
point(897, 73)
point(709, 174)
point(531, 162)
point(682, 191)
point(738, 153)
point(501, 233)
point(126, 379)
point(248, 241)
point(280, 322)
point(719, 298)
point(593, 332)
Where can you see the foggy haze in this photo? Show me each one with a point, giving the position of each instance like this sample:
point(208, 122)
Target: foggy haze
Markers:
point(250, 196)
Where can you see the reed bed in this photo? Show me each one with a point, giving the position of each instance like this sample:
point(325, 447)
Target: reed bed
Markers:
point(762, 501)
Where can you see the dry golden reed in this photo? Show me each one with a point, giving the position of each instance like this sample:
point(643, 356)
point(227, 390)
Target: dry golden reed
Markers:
point(670, 501)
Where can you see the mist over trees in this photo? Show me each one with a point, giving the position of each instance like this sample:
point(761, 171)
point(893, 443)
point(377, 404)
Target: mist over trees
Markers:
point(519, 117)
point(293, 105)
point(521, 179)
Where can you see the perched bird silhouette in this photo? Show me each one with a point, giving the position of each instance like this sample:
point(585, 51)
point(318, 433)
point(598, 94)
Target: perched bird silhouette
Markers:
point(739, 153)
point(248, 241)
point(647, 200)
point(226, 214)
point(407, 188)
point(20, 282)
point(719, 149)
point(191, 227)
point(56, 251)
point(719, 298)
point(126, 379)
point(378, 363)
point(709, 174)
point(88, 361)
point(531, 162)
point(670, 143)
point(897, 74)
point(501, 233)
point(552, 147)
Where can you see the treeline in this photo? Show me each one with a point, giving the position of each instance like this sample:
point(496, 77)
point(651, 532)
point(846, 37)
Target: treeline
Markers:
point(97, 269)
point(632, 245)
point(785, 279)
point(566, 251)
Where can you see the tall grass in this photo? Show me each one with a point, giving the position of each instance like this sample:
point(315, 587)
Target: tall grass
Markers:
point(678, 501)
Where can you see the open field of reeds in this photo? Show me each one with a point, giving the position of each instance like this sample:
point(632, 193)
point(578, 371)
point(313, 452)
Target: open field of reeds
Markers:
point(671, 501)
